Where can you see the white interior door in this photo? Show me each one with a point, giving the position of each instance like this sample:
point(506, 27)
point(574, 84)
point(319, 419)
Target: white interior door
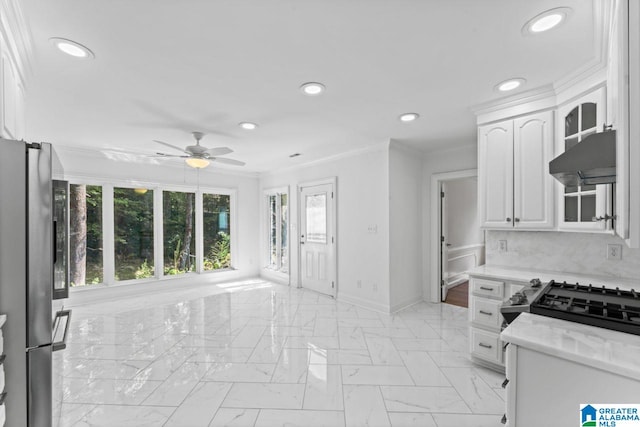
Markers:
point(317, 238)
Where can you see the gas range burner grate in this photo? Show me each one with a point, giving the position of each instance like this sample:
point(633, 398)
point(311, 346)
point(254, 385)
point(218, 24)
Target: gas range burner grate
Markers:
point(597, 306)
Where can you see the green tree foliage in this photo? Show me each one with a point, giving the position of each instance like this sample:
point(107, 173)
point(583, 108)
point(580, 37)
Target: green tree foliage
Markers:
point(133, 221)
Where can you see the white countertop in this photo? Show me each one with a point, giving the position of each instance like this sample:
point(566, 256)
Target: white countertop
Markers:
point(604, 349)
point(3, 318)
point(518, 275)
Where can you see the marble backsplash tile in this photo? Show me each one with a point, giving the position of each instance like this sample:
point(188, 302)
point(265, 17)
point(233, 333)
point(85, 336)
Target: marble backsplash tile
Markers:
point(584, 253)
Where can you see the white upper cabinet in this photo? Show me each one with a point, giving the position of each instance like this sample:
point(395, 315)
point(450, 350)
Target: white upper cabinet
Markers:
point(533, 206)
point(516, 190)
point(495, 175)
point(578, 206)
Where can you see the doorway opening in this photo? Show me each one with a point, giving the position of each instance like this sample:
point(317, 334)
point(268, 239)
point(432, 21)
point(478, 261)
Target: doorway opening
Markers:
point(458, 242)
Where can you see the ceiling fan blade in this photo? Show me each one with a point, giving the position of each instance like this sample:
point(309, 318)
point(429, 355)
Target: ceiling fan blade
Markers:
point(219, 151)
point(172, 146)
point(158, 154)
point(228, 161)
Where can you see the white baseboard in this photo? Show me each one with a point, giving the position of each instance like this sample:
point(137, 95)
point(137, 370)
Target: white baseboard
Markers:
point(275, 276)
point(457, 279)
point(100, 293)
point(359, 302)
point(408, 303)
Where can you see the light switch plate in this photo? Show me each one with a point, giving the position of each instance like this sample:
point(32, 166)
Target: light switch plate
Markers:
point(502, 246)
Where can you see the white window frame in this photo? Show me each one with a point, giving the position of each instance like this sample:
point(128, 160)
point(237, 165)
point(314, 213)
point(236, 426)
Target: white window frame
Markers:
point(108, 229)
point(268, 269)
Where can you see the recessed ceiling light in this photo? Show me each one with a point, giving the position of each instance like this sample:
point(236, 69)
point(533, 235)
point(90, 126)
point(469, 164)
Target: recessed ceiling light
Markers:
point(546, 20)
point(247, 125)
point(409, 117)
point(72, 48)
point(510, 84)
point(312, 88)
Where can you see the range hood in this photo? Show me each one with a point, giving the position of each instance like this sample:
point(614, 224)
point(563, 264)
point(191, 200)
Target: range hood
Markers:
point(591, 161)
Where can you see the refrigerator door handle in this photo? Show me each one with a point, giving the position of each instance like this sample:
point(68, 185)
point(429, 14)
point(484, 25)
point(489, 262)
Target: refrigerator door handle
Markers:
point(62, 319)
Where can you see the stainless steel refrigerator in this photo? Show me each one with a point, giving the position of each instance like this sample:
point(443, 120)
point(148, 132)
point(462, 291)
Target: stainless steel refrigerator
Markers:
point(32, 246)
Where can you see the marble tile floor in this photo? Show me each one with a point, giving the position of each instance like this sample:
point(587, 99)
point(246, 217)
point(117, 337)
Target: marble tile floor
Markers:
point(254, 353)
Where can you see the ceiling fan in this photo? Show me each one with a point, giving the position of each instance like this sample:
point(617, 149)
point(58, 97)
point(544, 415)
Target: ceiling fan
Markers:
point(198, 156)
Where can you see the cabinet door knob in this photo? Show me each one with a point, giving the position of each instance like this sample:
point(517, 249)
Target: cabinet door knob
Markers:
point(508, 219)
point(516, 219)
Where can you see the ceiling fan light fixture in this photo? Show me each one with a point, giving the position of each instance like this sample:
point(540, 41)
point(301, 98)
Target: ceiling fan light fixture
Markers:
point(247, 125)
point(546, 21)
point(72, 48)
point(312, 88)
point(197, 162)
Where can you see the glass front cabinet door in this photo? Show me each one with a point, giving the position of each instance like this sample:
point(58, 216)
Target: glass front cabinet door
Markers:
point(580, 206)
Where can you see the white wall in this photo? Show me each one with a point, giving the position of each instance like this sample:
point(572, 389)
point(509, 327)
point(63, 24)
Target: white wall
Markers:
point(457, 159)
point(405, 226)
point(362, 200)
point(90, 167)
point(583, 253)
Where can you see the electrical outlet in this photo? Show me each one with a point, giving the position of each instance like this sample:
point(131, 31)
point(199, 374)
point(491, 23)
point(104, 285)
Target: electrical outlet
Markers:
point(372, 228)
point(614, 251)
point(375, 287)
point(359, 283)
point(502, 246)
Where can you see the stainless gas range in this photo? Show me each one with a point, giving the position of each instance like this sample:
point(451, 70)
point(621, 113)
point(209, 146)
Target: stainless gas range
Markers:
point(610, 308)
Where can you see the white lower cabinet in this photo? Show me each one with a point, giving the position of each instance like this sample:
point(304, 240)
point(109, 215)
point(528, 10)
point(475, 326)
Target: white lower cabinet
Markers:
point(548, 390)
point(486, 295)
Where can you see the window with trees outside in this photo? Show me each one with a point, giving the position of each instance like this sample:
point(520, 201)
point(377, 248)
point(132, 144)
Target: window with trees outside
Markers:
point(133, 233)
point(184, 220)
point(278, 215)
point(216, 234)
point(85, 235)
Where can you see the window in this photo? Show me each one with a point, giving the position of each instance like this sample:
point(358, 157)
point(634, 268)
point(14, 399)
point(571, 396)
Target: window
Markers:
point(216, 235)
point(278, 240)
point(178, 225)
point(580, 204)
point(85, 235)
point(148, 233)
point(133, 233)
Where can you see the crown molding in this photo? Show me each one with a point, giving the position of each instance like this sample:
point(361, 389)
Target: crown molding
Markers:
point(533, 95)
point(405, 148)
point(547, 96)
point(17, 35)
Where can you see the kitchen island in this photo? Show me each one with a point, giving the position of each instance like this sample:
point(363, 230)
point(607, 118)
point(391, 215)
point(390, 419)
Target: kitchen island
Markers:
point(553, 366)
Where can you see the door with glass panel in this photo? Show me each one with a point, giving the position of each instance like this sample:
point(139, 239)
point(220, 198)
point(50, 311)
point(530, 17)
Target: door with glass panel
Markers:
point(317, 238)
point(579, 205)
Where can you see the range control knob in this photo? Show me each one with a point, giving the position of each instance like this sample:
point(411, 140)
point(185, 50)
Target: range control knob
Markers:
point(535, 283)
